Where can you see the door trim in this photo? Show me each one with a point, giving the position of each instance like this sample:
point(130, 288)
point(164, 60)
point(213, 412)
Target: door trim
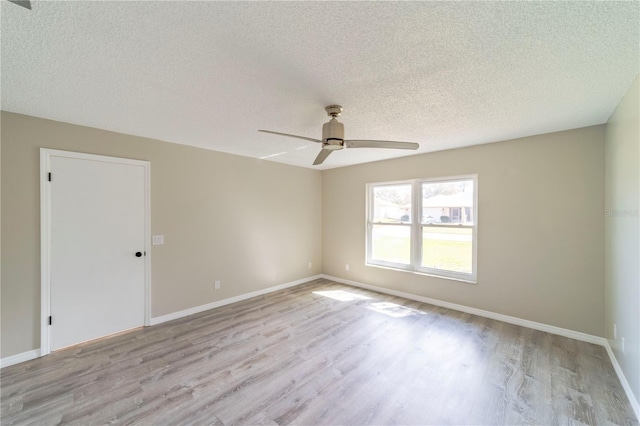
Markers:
point(45, 235)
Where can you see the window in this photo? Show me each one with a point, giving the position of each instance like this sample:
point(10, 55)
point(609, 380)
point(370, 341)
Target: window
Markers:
point(425, 225)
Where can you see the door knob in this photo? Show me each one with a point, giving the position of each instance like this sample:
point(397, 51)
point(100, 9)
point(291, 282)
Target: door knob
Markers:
point(139, 254)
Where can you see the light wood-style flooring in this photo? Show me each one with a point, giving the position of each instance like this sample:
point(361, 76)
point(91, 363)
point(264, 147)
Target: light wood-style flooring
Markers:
point(321, 353)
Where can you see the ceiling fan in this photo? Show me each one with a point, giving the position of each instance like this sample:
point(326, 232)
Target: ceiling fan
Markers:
point(333, 138)
point(23, 3)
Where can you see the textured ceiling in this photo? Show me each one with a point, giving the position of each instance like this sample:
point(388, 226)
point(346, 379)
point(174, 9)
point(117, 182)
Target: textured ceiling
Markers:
point(210, 74)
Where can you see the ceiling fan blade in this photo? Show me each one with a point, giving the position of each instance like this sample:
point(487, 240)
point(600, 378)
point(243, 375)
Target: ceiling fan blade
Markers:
point(381, 144)
point(291, 136)
point(322, 155)
point(24, 3)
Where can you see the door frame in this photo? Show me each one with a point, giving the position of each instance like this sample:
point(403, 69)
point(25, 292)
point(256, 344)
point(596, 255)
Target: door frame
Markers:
point(45, 234)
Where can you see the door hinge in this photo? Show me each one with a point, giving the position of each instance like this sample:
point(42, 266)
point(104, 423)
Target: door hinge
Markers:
point(49, 176)
point(50, 320)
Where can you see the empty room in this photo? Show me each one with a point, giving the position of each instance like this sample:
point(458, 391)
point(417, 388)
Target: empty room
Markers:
point(332, 213)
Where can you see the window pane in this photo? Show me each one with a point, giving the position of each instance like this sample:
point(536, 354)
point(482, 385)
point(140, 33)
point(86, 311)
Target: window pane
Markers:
point(448, 202)
point(447, 248)
point(391, 243)
point(392, 203)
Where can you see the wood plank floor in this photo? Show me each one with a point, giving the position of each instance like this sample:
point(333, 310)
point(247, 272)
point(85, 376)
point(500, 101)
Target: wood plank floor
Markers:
point(321, 353)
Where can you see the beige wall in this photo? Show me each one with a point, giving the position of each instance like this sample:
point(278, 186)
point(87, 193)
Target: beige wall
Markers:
point(252, 224)
point(622, 234)
point(540, 228)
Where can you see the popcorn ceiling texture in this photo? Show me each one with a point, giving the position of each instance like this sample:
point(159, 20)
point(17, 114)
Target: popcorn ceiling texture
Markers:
point(210, 74)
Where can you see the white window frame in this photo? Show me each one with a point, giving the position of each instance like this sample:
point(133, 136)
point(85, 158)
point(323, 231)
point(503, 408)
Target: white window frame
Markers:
point(416, 226)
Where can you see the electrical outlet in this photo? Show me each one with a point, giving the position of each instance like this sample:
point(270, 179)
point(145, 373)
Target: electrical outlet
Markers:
point(615, 331)
point(309, 265)
point(346, 267)
point(624, 352)
point(216, 285)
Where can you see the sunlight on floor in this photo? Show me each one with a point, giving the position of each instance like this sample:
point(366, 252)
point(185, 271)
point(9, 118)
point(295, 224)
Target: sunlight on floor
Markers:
point(341, 295)
point(393, 310)
point(386, 308)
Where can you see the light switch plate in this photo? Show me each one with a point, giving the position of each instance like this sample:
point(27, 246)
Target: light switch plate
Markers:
point(158, 240)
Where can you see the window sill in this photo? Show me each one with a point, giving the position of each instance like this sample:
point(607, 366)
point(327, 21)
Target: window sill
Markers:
point(426, 274)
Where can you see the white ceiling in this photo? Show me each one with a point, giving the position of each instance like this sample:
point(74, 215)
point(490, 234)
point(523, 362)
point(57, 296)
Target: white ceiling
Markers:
point(210, 74)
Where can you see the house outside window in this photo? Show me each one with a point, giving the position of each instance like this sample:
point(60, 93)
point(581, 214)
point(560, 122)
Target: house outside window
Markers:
point(424, 225)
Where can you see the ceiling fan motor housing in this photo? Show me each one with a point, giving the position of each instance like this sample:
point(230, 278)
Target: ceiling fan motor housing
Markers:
point(332, 135)
point(333, 138)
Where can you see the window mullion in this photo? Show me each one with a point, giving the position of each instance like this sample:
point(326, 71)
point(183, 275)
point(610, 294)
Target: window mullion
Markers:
point(369, 221)
point(416, 224)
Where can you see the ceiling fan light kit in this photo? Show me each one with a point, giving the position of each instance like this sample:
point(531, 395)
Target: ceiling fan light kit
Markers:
point(333, 138)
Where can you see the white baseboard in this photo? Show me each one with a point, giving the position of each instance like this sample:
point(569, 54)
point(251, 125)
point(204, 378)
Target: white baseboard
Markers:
point(601, 341)
point(36, 353)
point(623, 380)
point(18, 358)
point(218, 303)
point(480, 312)
point(29, 355)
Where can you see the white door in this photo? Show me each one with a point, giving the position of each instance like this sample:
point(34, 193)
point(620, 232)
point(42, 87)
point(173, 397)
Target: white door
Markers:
point(97, 248)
